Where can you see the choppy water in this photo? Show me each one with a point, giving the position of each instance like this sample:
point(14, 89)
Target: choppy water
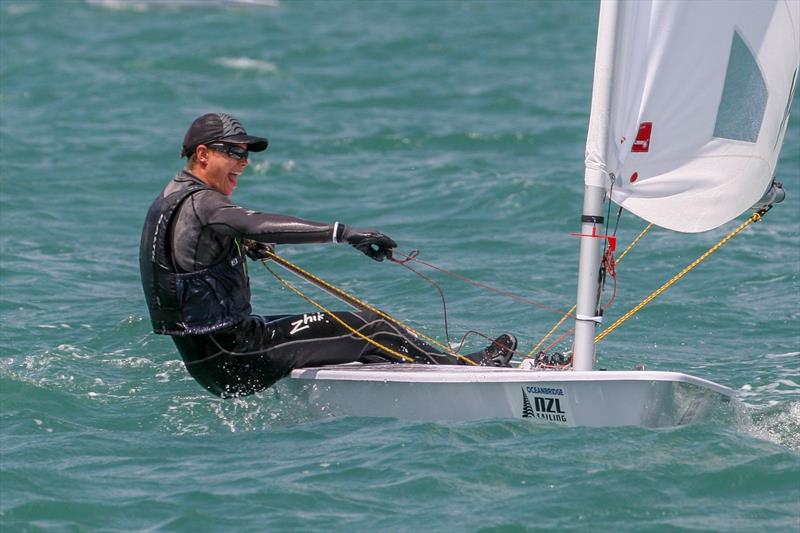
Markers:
point(457, 128)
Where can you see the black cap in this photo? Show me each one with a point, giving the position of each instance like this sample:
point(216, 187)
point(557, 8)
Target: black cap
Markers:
point(213, 127)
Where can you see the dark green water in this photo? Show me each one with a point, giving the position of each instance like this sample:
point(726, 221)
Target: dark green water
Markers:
point(456, 127)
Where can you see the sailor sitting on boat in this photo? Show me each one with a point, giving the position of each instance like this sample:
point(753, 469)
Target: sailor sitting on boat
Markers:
point(194, 274)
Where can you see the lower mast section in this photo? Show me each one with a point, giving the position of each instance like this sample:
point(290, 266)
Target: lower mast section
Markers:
point(586, 314)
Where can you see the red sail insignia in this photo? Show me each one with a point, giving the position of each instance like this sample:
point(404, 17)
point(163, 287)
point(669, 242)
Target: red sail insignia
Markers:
point(642, 142)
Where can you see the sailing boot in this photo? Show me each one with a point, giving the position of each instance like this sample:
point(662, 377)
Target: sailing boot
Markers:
point(498, 353)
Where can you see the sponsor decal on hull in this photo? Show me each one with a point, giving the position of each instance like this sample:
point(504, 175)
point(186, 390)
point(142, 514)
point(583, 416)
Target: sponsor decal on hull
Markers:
point(544, 403)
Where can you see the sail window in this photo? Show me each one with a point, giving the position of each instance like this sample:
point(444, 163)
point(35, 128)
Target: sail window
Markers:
point(744, 96)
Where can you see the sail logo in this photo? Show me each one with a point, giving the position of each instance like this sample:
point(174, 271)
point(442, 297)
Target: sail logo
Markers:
point(543, 408)
point(642, 142)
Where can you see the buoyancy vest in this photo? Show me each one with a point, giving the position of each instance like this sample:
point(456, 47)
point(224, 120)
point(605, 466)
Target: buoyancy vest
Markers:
point(191, 303)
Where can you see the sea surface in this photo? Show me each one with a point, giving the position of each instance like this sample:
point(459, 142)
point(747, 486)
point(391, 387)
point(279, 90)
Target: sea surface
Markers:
point(458, 128)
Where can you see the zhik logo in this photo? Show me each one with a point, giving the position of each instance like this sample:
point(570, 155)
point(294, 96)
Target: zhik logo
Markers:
point(304, 323)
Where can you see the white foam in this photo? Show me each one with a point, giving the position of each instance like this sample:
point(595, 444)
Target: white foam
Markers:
point(262, 167)
point(21, 9)
point(121, 5)
point(776, 355)
point(246, 63)
point(142, 6)
point(781, 427)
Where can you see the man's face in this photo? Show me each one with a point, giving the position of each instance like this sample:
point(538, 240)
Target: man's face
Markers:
point(222, 170)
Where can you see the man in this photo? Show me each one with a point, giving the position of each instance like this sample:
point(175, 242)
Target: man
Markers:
point(194, 274)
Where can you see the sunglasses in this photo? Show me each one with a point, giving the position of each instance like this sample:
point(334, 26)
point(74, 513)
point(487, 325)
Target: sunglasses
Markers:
point(231, 150)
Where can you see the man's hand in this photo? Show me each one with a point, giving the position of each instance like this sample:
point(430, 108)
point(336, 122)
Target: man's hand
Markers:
point(257, 251)
point(370, 242)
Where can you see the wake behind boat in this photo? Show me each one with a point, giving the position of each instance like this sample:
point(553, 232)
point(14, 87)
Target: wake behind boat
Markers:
point(690, 105)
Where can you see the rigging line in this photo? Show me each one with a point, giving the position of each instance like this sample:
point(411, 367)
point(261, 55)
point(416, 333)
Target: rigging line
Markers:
point(437, 287)
point(559, 339)
point(413, 257)
point(355, 302)
point(403, 263)
point(609, 263)
point(535, 349)
point(634, 243)
point(754, 218)
point(618, 218)
point(608, 218)
point(607, 257)
point(572, 309)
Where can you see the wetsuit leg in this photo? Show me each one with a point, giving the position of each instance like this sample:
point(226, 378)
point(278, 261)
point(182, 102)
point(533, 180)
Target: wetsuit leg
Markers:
point(257, 352)
point(316, 339)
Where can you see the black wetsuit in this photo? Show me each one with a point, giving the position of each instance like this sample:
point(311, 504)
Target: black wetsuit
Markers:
point(257, 351)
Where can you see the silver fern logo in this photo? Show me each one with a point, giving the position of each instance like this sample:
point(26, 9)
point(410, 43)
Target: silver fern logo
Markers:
point(527, 410)
point(231, 126)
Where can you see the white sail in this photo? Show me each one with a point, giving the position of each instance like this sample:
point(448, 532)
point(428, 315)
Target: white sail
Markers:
point(699, 101)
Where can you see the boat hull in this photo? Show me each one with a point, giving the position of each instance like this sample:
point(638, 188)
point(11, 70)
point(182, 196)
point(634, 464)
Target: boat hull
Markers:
point(562, 398)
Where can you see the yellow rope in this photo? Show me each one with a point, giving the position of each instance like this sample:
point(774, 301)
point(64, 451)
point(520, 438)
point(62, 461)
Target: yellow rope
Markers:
point(552, 330)
point(572, 309)
point(363, 305)
point(634, 243)
point(754, 218)
point(337, 319)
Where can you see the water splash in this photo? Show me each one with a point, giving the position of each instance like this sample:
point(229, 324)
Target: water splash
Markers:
point(198, 414)
point(779, 424)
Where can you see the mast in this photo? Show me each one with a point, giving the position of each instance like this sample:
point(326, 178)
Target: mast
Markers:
point(586, 319)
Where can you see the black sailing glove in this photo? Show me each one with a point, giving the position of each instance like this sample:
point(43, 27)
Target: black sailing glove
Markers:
point(257, 251)
point(370, 242)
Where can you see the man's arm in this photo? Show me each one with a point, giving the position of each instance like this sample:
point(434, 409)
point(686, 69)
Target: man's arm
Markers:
point(236, 221)
point(232, 220)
